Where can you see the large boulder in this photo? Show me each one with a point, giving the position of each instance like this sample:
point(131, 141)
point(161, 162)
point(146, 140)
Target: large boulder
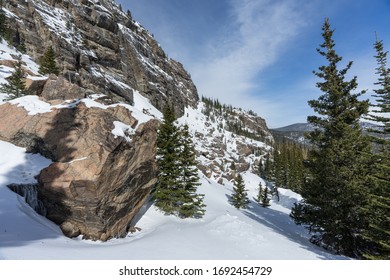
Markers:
point(97, 181)
point(60, 88)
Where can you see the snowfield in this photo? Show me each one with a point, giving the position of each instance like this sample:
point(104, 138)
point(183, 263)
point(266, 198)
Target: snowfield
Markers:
point(223, 233)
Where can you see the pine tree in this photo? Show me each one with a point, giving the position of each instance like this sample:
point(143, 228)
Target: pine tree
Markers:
point(261, 169)
point(3, 22)
point(264, 198)
point(240, 196)
point(335, 195)
point(268, 169)
point(378, 231)
point(192, 203)
point(16, 86)
point(48, 63)
point(259, 194)
point(168, 192)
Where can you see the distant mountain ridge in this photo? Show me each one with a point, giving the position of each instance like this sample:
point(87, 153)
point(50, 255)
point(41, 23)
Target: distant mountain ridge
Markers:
point(296, 132)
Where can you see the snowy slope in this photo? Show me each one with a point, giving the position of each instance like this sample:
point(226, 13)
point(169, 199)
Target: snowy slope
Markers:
point(223, 233)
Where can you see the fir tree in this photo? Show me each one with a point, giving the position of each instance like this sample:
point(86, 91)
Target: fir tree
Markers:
point(240, 197)
point(168, 192)
point(288, 167)
point(3, 22)
point(192, 203)
point(48, 63)
point(261, 170)
point(378, 231)
point(335, 195)
point(259, 194)
point(268, 169)
point(16, 86)
point(264, 198)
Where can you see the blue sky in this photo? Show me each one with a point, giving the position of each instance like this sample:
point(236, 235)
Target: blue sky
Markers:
point(260, 54)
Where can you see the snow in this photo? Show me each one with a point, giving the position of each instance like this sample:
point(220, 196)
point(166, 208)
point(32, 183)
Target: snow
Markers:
point(32, 104)
point(122, 130)
point(223, 233)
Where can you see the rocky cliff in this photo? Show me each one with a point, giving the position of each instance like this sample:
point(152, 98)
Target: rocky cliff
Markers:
point(97, 121)
point(101, 48)
point(97, 181)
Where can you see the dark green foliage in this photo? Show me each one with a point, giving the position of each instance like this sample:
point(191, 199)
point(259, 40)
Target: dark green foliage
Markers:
point(193, 205)
point(175, 191)
point(288, 166)
point(240, 197)
point(168, 192)
point(16, 86)
point(261, 169)
point(48, 63)
point(264, 198)
point(382, 95)
point(268, 166)
point(335, 195)
point(378, 231)
point(259, 194)
point(3, 23)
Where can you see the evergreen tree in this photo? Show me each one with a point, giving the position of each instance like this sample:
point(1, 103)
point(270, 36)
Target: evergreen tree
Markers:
point(192, 203)
point(259, 194)
point(178, 179)
point(378, 231)
point(264, 198)
point(268, 169)
point(168, 192)
point(48, 63)
point(240, 196)
point(261, 170)
point(336, 193)
point(16, 86)
point(3, 22)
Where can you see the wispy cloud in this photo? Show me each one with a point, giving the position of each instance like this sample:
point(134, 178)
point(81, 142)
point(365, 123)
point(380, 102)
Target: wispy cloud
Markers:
point(259, 31)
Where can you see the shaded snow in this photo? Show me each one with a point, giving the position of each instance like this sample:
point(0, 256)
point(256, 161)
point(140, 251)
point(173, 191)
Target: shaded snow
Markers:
point(223, 233)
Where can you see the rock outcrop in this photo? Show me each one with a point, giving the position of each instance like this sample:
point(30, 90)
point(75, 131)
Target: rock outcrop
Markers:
point(97, 181)
point(101, 48)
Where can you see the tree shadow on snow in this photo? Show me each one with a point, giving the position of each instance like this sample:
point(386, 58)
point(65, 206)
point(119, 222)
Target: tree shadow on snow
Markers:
point(281, 223)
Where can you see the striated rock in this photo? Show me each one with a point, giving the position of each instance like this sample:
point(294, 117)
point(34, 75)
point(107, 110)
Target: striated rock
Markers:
point(102, 49)
point(60, 88)
point(97, 182)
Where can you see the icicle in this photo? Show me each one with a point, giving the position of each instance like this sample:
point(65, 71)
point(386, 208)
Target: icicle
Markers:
point(30, 194)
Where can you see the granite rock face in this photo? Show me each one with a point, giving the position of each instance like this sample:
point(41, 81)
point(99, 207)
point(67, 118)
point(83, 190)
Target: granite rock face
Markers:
point(100, 49)
point(97, 181)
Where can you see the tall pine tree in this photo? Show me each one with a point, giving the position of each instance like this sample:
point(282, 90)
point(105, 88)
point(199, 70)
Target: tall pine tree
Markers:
point(48, 63)
point(168, 192)
point(176, 189)
point(192, 205)
point(335, 195)
point(378, 231)
point(240, 196)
